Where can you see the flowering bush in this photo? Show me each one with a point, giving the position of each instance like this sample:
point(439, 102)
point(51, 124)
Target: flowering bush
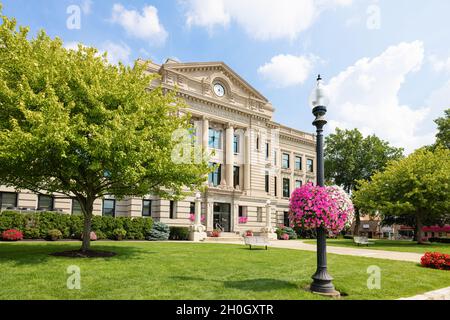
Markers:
point(320, 207)
point(192, 217)
point(436, 260)
point(12, 235)
point(215, 233)
point(243, 220)
point(284, 236)
point(282, 230)
point(92, 235)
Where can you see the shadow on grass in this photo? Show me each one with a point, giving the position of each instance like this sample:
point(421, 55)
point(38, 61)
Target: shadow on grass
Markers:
point(37, 253)
point(260, 285)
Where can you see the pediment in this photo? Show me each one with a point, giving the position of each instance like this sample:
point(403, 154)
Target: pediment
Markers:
point(208, 72)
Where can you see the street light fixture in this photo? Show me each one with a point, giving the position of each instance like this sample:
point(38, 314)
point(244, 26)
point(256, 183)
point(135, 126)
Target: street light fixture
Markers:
point(322, 280)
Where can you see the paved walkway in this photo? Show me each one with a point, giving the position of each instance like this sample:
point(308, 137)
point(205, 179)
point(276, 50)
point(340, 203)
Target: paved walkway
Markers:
point(441, 294)
point(368, 253)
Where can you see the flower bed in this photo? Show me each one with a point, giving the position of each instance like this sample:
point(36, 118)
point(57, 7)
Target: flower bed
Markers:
point(436, 260)
point(12, 235)
point(243, 220)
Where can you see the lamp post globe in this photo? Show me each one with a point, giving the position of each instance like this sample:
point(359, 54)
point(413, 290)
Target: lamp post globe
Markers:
point(322, 280)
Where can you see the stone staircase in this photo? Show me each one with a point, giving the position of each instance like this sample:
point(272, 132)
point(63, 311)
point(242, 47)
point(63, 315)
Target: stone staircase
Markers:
point(225, 237)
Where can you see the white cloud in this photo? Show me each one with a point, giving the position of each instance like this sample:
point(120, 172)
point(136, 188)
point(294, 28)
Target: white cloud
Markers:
point(261, 19)
point(366, 96)
point(144, 26)
point(86, 6)
point(439, 65)
point(116, 52)
point(73, 45)
point(286, 70)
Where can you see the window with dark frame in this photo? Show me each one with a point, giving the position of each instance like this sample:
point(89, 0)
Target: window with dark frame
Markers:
point(236, 144)
point(192, 208)
point(45, 202)
point(267, 150)
point(109, 208)
point(8, 200)
point(285, 161)
point(215, 177)
point(298, 184)
point(275, 186)
point(172, 209)
point(146, 208)
point(310, 165)
point(242, 211)
point(286, 221)
point(236, 176)
point(267, 180)
point(298, 163)
point(215, 138)
point(286, 188)
point(76, 208)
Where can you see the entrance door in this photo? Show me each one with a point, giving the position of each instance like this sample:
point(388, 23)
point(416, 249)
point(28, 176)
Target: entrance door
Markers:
point(222, 216)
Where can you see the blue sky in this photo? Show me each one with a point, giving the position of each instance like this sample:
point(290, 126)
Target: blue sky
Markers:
point(387, 62)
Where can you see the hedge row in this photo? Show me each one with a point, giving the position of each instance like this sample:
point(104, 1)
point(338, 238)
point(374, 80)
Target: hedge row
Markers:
point(439, 240)
point(37, 225)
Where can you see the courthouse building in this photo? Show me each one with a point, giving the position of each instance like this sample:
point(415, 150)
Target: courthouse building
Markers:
point(256, 158)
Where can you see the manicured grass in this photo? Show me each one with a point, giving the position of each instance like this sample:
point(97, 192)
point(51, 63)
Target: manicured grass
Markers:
point(390, 245)
point(170, 270)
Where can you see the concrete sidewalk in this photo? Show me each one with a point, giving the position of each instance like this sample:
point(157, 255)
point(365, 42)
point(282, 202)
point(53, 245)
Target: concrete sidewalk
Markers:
point(368, 253)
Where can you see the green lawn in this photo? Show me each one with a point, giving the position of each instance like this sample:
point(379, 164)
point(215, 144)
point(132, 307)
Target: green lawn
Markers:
point(170, 270)
point(390, 245)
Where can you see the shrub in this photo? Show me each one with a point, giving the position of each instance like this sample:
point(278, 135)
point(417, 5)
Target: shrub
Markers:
point(285, 236)
point(12, 235)
point(281, 231)
point(119, 234)
point(159, 232)
point(179, 233)
point(215, 233)
point(99, 235)
point(348, 237)
point(439, 240)
point(436, 260)
point(54, 235)
point(12, 220)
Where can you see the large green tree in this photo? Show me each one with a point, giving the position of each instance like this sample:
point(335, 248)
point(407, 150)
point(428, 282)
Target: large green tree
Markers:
point(443, 135)
point(415, 190)
point(73, 124)
point(350, 157)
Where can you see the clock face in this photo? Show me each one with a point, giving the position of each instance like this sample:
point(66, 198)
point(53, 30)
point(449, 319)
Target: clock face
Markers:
point(219, 90)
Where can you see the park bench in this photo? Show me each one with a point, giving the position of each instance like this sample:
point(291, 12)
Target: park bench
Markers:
point(361, 241)
point(257, 241)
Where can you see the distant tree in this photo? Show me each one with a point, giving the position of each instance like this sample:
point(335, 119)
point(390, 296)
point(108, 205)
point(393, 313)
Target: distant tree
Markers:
point(350, 157)
point(414, 190)
point(443, 135)
point(73, 124)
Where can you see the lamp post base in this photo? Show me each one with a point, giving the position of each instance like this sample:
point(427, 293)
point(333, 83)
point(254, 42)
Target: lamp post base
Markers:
point(331, 294)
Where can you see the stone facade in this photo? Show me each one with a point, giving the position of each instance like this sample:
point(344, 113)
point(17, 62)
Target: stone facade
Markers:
point(249, 145)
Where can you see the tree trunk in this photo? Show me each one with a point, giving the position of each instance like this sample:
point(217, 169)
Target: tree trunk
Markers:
point(418, 233)
point(87, 211)
point(357, 223)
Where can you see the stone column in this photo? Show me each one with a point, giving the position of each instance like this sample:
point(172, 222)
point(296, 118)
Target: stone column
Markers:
point(229, 155)
point(209, 215)
point(268, 230)
point(247, 159)
point(198, 229)
point(205, 134)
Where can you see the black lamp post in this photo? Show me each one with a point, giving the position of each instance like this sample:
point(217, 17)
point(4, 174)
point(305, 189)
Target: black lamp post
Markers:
point(322, 283)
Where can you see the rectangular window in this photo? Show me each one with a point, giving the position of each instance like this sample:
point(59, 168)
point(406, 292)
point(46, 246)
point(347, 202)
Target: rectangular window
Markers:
point(172, 210)
point(215, 139)
point(310, 165)
point(242, 211)
point(109, 207)
point(286, 219)
point(286, 188)
point(45, 203)
point(267, 150)
point(259, 214)
point(146, 208)
point(275, 186)
point(76, 208)
point(236, 177)
point(298, 183)
point(215, 177)
point(267, 181)
point(274, 158)
point(192, 208)
point(8, 200)
point(298, 163)
point(285, 161)
point(236, 144)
